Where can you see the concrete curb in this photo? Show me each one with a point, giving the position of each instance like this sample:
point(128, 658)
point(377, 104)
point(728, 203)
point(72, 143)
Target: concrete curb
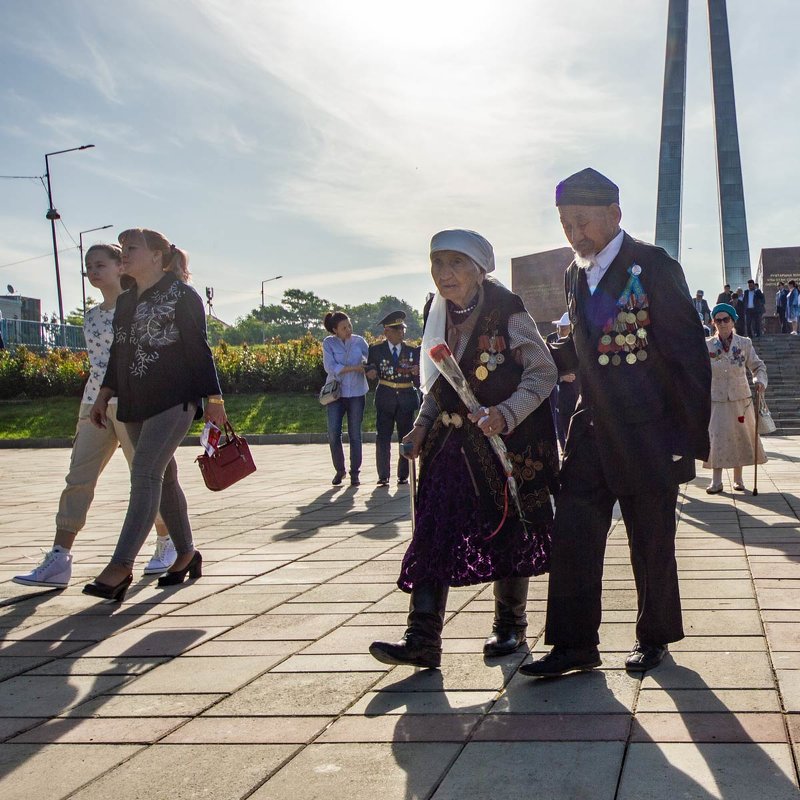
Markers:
point(194, 441)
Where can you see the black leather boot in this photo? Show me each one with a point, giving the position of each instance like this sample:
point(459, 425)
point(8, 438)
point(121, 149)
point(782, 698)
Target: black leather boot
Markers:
point(421, 645)
point(510, 622)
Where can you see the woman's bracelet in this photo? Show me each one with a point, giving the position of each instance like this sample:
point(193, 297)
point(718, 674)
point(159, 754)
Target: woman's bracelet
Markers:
point(217, 400)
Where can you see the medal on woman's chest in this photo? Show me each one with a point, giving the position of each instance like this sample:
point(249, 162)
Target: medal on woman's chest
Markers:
point(490, 355)
point(624, 338)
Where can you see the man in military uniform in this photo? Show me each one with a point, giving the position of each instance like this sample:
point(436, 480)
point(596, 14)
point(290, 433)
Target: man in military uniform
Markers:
point(396, 366)
point(641, 421)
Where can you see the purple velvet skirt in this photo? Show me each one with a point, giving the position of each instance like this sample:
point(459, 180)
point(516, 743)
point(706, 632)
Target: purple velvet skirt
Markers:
point(450, 543)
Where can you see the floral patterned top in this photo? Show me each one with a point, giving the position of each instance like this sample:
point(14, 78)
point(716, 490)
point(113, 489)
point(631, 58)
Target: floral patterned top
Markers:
point(160, 357)
point(98, 330)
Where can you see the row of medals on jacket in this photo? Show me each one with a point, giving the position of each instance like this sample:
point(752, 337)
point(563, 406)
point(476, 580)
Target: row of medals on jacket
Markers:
point(490, 360)
point(625, 336)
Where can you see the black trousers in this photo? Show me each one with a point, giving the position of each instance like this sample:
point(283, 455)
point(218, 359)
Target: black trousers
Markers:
point(385, 422)
point(583, 518)
point(786, 326)
point(753, 323)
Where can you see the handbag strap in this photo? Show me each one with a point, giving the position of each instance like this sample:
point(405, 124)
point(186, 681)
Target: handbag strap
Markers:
point(230, 433)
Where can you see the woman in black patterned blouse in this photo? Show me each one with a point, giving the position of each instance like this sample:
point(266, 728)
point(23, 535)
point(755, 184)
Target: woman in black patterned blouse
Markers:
point(160, 369)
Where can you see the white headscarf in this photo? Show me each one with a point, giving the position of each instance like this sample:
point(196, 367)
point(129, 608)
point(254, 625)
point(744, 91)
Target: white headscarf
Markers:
point(472, 245)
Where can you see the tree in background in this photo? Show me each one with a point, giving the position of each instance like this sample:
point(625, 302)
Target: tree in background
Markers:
point(75, 317)
point(365, 317)
point(300, 314)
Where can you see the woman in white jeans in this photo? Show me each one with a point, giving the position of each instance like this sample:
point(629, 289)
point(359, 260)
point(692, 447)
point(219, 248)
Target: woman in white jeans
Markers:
point(93, 447)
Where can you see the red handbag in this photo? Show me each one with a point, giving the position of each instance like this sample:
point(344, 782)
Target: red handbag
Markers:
point(230, 463)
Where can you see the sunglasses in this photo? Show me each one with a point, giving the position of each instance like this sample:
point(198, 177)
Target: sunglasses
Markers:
point(722, 319)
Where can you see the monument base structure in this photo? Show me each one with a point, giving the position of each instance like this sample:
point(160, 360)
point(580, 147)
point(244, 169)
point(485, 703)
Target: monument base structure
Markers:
point(776, 264)
point(539, 280)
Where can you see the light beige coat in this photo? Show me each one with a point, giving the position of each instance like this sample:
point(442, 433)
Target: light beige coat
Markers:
point(729, 379)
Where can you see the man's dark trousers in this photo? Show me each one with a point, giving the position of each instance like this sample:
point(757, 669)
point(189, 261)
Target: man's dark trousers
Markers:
point(583, 518)
point(392, 406)
point(753, 321)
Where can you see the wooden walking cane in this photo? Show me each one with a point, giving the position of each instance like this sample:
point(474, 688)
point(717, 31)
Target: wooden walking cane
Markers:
point(756, 409)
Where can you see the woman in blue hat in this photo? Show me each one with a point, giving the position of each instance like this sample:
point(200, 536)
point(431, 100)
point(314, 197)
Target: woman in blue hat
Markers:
point(732, 427)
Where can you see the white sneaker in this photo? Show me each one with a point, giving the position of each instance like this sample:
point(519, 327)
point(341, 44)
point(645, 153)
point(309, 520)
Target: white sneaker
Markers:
point(54, 571)
point(163, 558)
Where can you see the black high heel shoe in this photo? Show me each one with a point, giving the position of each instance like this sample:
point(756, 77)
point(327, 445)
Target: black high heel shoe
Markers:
point(194, 568)
point(115, 593)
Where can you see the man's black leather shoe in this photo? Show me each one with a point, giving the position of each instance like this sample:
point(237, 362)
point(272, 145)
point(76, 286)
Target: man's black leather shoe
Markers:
point(503, 641)
point(402, 481)
point(382, 482)
point(409, 650)
point(645, 656)
point(561, 660)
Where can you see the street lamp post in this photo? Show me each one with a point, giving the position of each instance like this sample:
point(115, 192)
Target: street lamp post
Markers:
point(53, 215)
point(83, 271)
point(276, 278)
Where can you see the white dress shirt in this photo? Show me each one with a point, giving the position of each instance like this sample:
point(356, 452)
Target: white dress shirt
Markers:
point(602, 261)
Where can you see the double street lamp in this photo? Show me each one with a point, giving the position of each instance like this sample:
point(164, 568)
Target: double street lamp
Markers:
point(83, 270)
point(53, 215)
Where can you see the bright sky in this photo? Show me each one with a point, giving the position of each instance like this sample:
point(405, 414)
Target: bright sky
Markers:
point(327, 140)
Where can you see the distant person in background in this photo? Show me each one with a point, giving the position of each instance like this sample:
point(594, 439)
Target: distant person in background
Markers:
point(2, 343)
point(701, 307)
point(725, 295)
point(737, 301)
point(753, 309)
point(761, 308)
point(780, 306)
point(93, 447)
point(793, 307)
point(396, 366)
point(344, 355)
point(566, 391)
point(732, 426)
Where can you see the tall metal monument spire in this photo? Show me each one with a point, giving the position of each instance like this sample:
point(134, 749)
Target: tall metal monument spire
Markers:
point(733, 222)
point(670, 157)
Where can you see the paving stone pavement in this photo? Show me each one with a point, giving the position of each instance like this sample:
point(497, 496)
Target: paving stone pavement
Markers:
point(255, 680)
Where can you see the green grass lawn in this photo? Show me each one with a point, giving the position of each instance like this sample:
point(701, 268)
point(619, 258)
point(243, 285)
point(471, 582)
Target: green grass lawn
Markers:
point(54, 417)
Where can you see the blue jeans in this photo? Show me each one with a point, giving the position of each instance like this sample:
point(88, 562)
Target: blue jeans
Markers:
point(354, 408)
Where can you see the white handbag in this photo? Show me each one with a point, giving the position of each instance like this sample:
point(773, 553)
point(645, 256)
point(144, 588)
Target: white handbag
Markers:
point(765, 422)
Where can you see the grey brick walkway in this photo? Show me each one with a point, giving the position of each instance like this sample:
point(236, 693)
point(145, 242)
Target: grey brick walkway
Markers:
point(255, 680)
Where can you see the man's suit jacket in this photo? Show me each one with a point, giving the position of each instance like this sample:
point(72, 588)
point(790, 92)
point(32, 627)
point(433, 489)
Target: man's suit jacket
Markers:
point(704, 312)
point(640, 414)
point(724, 297)
point(759, 303)
point(380, 359)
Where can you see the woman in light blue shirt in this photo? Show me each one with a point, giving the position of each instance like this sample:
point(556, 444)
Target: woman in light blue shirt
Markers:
point(344, 356)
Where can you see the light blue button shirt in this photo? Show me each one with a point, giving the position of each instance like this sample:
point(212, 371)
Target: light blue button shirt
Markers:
point(337, 354)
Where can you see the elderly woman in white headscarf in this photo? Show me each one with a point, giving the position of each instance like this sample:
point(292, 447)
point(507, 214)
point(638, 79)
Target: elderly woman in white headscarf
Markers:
point(467, 530)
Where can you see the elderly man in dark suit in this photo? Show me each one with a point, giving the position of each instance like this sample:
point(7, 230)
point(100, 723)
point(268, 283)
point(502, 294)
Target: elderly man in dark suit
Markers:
point(641, 421)
point(701, 307)
point(396, 366)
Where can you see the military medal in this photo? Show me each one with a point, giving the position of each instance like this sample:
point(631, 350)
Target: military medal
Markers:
point(490, 357)
point(625, 335)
